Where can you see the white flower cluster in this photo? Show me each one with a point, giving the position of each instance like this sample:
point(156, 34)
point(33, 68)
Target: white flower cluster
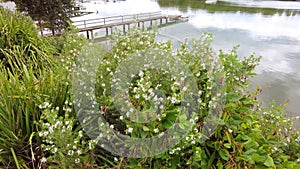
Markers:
point(58, 135)
point(44, 105)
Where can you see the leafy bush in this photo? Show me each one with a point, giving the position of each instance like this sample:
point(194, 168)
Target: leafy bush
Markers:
point(243, 137)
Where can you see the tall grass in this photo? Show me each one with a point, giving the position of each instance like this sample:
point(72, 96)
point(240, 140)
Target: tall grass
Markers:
point(20, 43)
point(29, 77)
point(19, 109)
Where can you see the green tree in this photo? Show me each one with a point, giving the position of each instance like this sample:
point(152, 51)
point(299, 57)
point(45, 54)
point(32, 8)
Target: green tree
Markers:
point(52, 14)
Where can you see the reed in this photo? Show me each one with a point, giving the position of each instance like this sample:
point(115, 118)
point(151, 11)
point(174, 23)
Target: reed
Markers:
point(29, 76)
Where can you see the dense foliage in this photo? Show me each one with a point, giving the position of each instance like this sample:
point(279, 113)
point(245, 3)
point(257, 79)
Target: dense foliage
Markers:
point(20, 43)
point(39, 129)
point(49, 14)
point(31, 73)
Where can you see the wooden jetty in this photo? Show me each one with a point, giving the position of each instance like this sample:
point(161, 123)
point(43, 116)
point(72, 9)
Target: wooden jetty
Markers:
point(107, 23)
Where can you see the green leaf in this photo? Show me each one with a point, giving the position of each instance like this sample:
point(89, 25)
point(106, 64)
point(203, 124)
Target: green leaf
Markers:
point(144, 134)
point(133, 161)
point(224, 154)
point(166, 123)
point(227, 145)
point(182, 117)
point(211, 159)
point(175, 162)
point(251, 144)
point(257, 158)
point(269, 162)
point(219, 165)
point(151, 126)
point(233, 97)
point(172, 116)
point(230, 106)
point(181, 126)
point(145, 128)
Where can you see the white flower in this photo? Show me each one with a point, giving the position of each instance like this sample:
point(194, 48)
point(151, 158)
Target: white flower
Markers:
point(43, 160)
point(173, 100)
point(115, 158)
point(229, 130)
point(70, 152)
point(54, 150)
point(80, 133)
point(77, 160)
point(156, 130)
point(111, 126)
point(130, 130)
point(141, 73)
point(46, 104)
point(121, 117)
point(78, 152)
point(46, 133)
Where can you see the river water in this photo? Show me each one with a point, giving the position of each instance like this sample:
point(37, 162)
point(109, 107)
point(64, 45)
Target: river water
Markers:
point(268, 28)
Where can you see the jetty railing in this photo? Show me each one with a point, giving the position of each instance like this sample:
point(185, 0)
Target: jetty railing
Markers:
point(117, 19)
point(107, 23)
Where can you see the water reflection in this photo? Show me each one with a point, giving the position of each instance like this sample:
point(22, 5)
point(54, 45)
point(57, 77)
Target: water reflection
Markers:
point(259, 26)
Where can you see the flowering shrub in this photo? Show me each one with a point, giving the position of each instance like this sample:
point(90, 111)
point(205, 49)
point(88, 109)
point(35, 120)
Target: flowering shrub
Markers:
point(64, 144)
point(242, 138)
